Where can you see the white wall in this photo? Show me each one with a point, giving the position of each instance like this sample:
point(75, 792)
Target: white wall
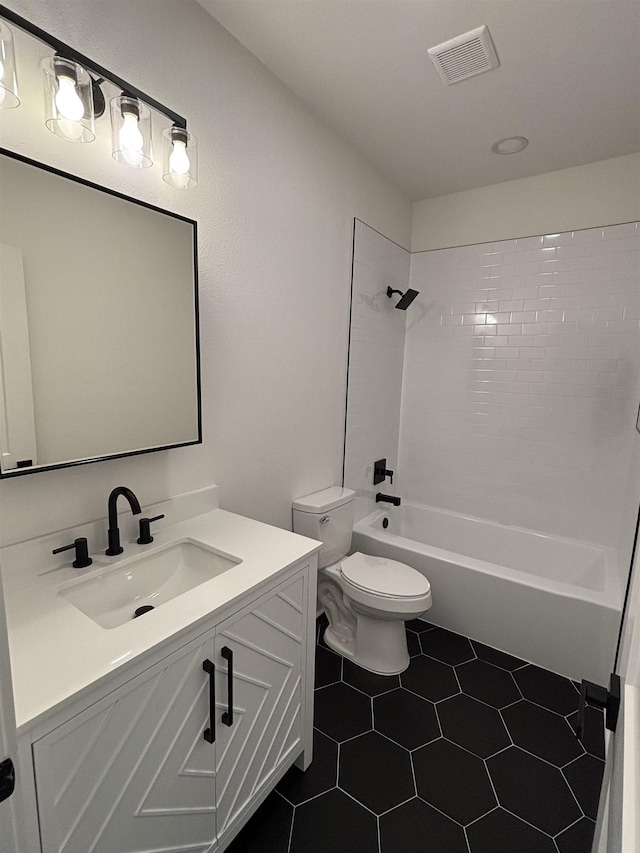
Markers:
point(275, 204)
point(521, 382)
point(606, 192)
point(375, 363)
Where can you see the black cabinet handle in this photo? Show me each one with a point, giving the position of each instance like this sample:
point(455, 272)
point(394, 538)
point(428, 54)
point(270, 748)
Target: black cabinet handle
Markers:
point(227, 654)
point(210, 733)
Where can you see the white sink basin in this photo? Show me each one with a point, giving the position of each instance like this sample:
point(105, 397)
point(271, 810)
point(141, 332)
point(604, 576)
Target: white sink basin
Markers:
point(112, 597)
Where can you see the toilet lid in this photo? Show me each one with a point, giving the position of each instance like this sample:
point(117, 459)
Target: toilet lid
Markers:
point(385, 577)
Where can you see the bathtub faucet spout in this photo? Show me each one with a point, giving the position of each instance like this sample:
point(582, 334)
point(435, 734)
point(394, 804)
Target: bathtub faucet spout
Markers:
point(389, 499)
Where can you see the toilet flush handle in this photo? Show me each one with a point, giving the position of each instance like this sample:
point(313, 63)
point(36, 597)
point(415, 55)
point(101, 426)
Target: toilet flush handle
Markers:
point(324, 519)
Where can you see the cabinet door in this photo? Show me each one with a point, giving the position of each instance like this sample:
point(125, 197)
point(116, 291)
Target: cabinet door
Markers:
point(266, 643)
point(133, 773)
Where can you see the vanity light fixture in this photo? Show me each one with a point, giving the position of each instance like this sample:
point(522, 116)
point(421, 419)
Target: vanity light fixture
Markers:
point(74, 99)
point(180, 167)
point(131, 132)
point(9, 98)
point(68, 96)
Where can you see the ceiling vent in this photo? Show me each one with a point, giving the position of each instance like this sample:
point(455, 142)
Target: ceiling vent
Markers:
point(464, 56)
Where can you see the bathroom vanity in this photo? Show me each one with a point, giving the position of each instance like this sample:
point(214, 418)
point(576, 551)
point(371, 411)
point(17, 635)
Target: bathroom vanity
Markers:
point(168, 730)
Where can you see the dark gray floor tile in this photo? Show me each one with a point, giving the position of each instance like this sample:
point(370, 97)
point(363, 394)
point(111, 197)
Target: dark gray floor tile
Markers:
point(578, 838)
point(342, 712)
point(542, 732)
point(453, 780)
point(419, 625)
point(533, 790)
point(497, 658)
point(501, 832)
point(446, 646)
point(368, 682)
point(430, 678)
point(415, 826)
point(298, 786)
point(547, 689)
point(407, 719)
point(473, 725)
point(585, 778)
point(488, 683)
point(328, 667)
point(413, 644)
point(268, 830)
point(332, 823)
point(376, 772)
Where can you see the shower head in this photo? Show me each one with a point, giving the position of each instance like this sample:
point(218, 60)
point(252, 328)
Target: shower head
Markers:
point(407, 298)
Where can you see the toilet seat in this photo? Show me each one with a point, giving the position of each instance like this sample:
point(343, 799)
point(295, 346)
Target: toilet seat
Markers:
point(382, 577)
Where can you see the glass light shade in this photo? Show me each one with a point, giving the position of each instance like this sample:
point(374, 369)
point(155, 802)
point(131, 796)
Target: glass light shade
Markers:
point(180, 158)
point(8, 81)
point(131, 132)
point(68, 99)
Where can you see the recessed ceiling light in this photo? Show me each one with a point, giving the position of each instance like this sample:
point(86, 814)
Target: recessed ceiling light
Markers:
point(510, 145)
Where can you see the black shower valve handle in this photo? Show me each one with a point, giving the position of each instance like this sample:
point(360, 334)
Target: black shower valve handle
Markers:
point(82, 559)
point(381, 472)
point(145, 537)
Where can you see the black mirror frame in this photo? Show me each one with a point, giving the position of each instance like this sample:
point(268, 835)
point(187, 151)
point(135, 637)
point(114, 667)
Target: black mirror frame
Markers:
point(19, 472)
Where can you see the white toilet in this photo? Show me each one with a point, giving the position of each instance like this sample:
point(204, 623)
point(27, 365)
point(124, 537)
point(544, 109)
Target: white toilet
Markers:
point(367, 599)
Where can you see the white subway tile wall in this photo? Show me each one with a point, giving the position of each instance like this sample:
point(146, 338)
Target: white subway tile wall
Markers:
point(376, 356)
point(522, 382)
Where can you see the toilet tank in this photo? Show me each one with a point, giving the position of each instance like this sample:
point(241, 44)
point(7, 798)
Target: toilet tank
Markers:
point(327, 516)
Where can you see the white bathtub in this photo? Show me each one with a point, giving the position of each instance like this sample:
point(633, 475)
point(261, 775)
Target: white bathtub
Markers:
point(551, 601)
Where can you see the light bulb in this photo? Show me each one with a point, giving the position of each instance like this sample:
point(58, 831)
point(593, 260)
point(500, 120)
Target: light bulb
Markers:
point(68, 102)
point(179, 164)
point(131, 140)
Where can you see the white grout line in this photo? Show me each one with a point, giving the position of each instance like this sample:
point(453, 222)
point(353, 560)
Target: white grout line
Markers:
point(532, 825)
point(444, 814)
point(568, 784)
point(362, 805)
point(403, 803)
point(493, 787)
point(293, 817)
point(577, 820)
point(355, 737)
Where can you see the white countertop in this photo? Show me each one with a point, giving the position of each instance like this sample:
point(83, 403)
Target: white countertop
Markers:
point(57, 651)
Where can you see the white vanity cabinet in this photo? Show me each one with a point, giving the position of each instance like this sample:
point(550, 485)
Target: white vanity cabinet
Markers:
point(134, 772)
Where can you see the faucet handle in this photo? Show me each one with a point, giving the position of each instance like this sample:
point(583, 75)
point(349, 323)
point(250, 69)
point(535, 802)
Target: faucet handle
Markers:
point(381, 472)
point(145, 537)
point(82, 559)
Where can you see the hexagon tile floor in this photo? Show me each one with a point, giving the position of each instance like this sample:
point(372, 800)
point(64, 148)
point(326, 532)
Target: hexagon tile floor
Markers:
point(468, 751)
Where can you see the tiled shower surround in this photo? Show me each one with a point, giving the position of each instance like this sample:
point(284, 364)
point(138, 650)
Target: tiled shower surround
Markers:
point(520, 380)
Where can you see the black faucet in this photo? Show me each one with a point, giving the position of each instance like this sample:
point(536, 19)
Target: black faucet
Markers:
point(388, 499)
point(114, 534)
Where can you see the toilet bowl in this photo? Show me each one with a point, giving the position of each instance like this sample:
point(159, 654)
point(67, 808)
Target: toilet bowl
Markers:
point(367, 599)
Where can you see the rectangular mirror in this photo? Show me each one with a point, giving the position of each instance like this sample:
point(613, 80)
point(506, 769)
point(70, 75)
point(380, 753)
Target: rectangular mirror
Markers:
point(99, 351)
